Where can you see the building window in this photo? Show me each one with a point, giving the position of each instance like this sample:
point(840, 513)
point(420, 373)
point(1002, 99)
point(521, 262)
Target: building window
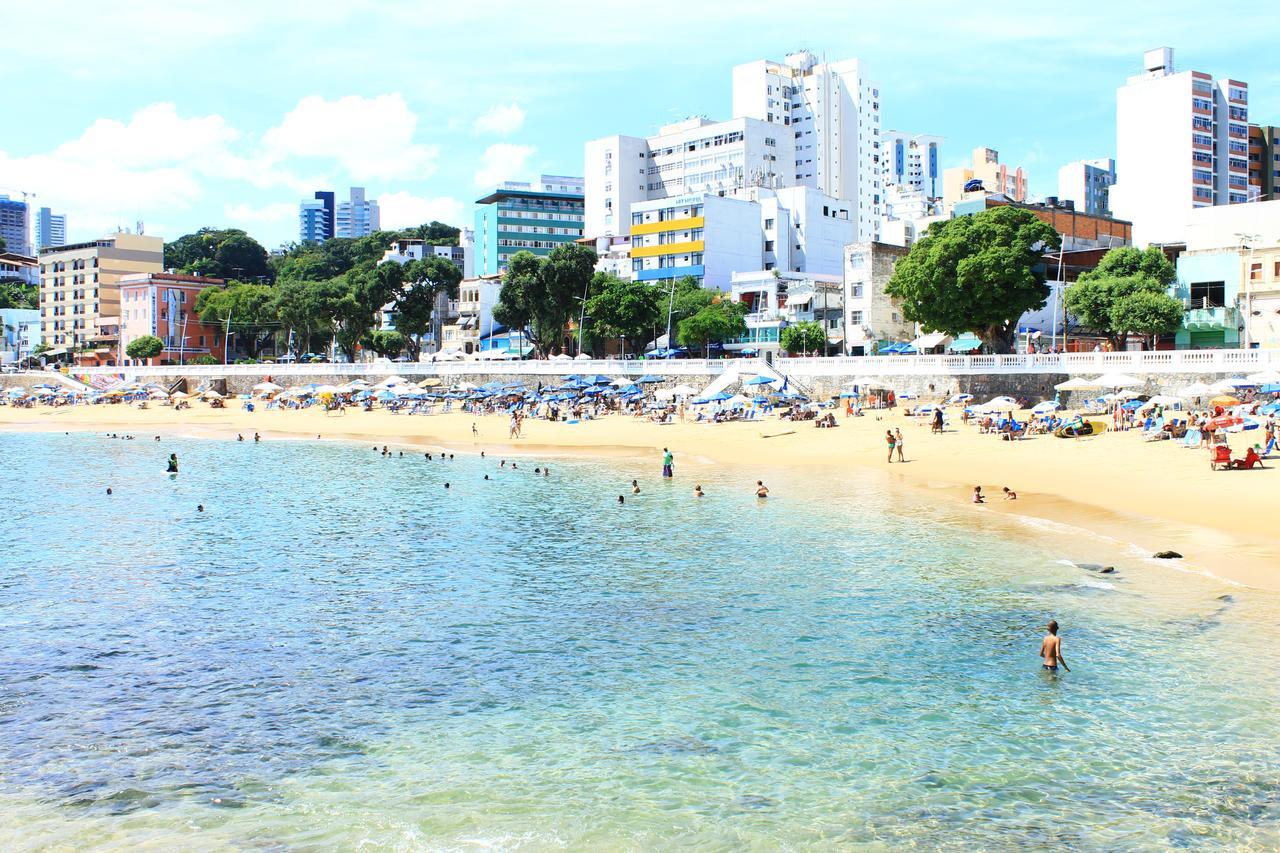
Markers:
point(1208, 294)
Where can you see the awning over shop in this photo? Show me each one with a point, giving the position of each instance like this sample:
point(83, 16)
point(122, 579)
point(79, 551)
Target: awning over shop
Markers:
point(931, 340)
point(800, 298)
point(965, 343)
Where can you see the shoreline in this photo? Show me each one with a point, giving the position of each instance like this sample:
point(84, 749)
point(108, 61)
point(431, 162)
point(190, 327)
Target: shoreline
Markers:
point(1209, 517)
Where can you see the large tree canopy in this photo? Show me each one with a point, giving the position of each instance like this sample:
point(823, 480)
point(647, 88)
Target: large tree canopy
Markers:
point(218, 252)
point(249, 310)
point(624, 309)
point(415, 297)
point(716, 323)
point(144, 348)
point(1104, 298)
point(543, 294)
point(976, 273)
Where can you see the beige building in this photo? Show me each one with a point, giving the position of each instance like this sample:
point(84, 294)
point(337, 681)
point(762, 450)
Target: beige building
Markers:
point(80, 293)
point(987, 168)
point(1259, 301)
point(872, 318)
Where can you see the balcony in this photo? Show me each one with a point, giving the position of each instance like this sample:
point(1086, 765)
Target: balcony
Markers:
point(1211, 319)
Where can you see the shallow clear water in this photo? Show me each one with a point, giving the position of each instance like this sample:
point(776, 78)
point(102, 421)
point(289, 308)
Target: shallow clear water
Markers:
point(341, 652)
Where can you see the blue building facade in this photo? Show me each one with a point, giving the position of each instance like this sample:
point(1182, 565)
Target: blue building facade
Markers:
point(1208, 284)
point(518, 217)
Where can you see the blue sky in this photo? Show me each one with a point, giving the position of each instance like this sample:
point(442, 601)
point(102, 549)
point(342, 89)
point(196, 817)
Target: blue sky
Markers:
point(184, 114)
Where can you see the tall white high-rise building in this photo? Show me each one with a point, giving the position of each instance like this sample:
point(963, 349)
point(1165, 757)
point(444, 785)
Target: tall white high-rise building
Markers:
point(356, 217)
point(797, 123)
point(1087, 184)
point(1182, 142)
point(50, 229)
point(833, 112)
point(912, 162)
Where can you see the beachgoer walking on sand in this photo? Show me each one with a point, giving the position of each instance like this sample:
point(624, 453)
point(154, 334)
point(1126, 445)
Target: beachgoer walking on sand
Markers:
point(899, 444)
point(474, 431)
point(937, 419)
point(1051, 649)
point(888, 437)
point(668, 463)
point(977, 495)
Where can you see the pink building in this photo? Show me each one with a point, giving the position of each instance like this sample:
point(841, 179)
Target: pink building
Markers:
point(164, 305)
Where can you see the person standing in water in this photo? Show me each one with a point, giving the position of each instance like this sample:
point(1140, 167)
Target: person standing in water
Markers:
point(1051, 649)
point(173, 464)
point(668, 463)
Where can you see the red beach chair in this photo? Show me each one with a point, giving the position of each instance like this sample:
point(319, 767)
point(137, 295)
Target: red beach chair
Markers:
point(1221, 456)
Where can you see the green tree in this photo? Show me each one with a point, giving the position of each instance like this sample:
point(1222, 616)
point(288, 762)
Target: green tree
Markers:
point(542, 295)
point(353, 302)
point(1098, 300)
point(716, 323)
point(144, 348)
point(301, 309)
point(415, 297)
point(251, 310)
point(387, 344)
point(203, 253)
point(566, 276)
point(203, 358)
point(1147, 313)
point(240, 256)
point(434, 234)
point(976, 273)
point(623, 309)
point(803, 337)
point(16, 294)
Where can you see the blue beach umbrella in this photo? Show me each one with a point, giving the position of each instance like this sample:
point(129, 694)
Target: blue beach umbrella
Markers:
point(760, 380)
point(649, 379)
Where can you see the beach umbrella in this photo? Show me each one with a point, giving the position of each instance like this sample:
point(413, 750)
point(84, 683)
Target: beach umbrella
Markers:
point(760, 401)
point(1224, 400)
point(1270, 409)
point(1077, 383)
point(1000, 403)
point(1239, 382)
point(598, 379)
point(560, 357)
point(1225, 422)
point(465, 386)
point(683, 391)
point(1124, 395)
point(848, 393)
point(649, 379)
point(16, 392)
point(960, 398)
point(391, 381)
point(760, 380)
point(1265, 377)
point(158, 395)
point(1116, 380)
point(621, 382)
point(1195, 389)
point(179, 395)
point(582, 356)
point(907, 395)
point(211, 395)
point(1163, 400)
point(267, 388)
point(430, 382)
point(1045, 407)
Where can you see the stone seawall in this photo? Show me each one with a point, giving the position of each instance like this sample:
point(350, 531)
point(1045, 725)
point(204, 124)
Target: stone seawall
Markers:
point(1031, 386)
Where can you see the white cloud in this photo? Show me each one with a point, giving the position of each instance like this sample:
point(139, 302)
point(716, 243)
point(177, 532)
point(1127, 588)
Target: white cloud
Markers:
point(403, 210)
point(370, 138)
point(502, 120)
point(269, 214)
point(504, 162)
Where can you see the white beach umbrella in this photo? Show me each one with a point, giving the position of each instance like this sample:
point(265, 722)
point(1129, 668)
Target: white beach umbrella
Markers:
point(465, 386)
point(211, 395)
point(1162, 400)
point(621, 382)
point(683, 391)
point(267, 388)
point(179, 395)
point(1045, 407)
point(1224, 386)
point(1116, 380)
point(1001, 403)
point(392, 381)
point(159, 395)
point(1125, 394)
point(1078, 383)
point(1195, 389)
point(560, 357)
point(1265, 377)
point(327, 389)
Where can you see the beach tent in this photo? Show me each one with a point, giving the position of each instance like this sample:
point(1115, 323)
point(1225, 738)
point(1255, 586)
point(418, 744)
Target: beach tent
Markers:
point(960, 398)
point(1195, 389)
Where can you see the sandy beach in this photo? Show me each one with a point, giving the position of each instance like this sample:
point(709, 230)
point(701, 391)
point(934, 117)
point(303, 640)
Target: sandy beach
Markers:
point(1157, 496)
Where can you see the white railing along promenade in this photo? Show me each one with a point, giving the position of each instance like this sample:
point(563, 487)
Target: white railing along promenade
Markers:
point(1224, 361)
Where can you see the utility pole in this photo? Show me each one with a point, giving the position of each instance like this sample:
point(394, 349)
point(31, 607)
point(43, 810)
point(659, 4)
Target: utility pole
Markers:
point(226, 341)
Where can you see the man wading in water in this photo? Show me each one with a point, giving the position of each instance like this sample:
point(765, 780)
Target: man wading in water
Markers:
point(1051, 649)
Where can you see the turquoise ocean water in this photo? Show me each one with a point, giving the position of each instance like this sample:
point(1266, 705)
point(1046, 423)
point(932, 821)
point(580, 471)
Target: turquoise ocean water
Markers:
point(340, 653)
